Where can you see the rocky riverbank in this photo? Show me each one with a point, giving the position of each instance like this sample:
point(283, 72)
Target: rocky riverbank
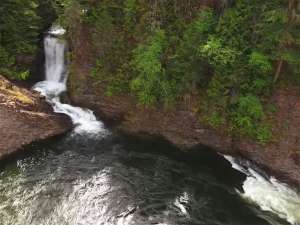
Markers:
point(25, 117)
point(181, 125)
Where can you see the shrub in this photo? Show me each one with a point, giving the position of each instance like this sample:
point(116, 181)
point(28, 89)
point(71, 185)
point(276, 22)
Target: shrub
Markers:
point(260, 62)
point(151, 84)
point(248, 118)
point(218, 55)
point(19, 30)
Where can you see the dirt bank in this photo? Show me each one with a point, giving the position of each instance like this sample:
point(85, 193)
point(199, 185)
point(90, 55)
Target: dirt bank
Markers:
point(25, 117)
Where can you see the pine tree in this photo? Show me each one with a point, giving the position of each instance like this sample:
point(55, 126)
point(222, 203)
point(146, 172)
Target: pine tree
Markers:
point(289, 42)
point(19, 26)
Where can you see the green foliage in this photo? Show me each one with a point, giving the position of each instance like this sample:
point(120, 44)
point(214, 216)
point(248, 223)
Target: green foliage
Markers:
point(250, 106)
point(151, 84)
point(241, 53)
point(217, 95)
point(218, 56)
point(235, 25)
point(5, 58)
point(117, 83)
point(188, 66)
point(19, 27)
point(161, 50)
point(112, 69)
point(23, 75)
point(248, 118)
point(260, 62)
point(130, 14)
point(215, 119)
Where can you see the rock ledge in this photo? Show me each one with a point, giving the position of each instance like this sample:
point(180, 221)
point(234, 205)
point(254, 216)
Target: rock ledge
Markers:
point(25, 117)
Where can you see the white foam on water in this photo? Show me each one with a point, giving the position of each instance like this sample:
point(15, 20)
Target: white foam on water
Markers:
point(50, 89)
point(84, 119)
point(57, 30)
point(181, 202)
point(55, 84)
point(269, 194)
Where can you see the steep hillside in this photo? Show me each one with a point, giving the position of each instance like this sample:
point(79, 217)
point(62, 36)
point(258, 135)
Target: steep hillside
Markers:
point(181, 123)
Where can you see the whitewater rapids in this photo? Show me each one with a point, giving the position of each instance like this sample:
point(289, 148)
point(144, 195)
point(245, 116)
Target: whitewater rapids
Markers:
point(269, 194)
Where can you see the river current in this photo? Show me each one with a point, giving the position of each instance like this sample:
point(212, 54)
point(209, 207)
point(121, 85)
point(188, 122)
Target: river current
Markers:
point(116, 180)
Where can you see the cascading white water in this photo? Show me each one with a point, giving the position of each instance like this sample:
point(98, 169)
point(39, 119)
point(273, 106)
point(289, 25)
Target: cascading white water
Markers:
point(55, 54)
point(55, 83)
point(269, 194)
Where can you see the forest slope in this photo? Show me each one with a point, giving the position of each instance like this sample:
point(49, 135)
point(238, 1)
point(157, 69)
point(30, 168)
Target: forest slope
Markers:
point(180, 124)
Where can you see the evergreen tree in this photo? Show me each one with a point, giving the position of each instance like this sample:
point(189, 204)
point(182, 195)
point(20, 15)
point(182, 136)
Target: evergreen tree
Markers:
point(19, 26)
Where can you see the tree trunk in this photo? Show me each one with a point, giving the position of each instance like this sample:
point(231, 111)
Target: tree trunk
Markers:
point(278, 71)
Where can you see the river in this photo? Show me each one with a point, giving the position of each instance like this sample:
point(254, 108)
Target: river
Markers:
point(75, 180)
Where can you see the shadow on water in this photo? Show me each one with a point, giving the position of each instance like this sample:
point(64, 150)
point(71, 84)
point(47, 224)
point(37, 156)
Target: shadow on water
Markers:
point(122, 180)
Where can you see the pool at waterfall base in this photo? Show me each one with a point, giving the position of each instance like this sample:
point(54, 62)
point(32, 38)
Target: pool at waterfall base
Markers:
point(123, 180)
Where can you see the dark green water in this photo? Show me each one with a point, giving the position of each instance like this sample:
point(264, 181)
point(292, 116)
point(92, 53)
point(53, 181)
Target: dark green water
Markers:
point(122, 180)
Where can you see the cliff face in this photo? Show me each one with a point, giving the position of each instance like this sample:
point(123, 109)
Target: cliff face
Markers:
point(181, 125)
point(25, 117)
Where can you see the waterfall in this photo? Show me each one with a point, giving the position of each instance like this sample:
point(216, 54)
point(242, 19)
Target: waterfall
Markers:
point(54, 85)
point(55, 54)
